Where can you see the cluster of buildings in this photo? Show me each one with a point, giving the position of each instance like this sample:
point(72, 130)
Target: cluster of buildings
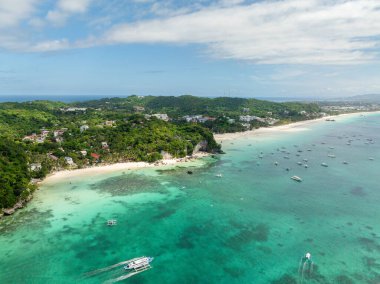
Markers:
point(198, 118)
point(250, 118)
point(73, 109)
point(39, 138)
point(162, 116)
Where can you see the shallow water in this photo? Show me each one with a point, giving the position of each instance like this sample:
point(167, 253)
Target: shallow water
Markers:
point(250, 226)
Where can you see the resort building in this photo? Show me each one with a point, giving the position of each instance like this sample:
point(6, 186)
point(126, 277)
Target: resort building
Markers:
point(69, 161)
point(249, 118)
point(35, 167)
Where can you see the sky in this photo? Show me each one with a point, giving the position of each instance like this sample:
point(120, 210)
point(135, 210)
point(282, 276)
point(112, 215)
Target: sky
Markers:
point(237, 48)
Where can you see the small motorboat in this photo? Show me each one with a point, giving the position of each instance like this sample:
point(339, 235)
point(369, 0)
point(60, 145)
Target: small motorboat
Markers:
point(296, 178)
point(324, 165)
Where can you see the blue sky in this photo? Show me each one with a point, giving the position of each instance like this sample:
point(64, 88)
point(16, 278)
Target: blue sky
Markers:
point(293, 48)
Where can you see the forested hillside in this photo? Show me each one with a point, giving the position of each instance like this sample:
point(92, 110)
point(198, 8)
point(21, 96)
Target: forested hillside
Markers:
point(41, 136)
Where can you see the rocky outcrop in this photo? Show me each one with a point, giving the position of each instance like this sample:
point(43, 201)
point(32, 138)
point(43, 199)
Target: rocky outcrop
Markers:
point(18, 205)
point(200, 147)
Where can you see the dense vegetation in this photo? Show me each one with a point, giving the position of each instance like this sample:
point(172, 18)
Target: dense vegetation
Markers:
point(14, 174)
point(41, 136)
point(226, 111)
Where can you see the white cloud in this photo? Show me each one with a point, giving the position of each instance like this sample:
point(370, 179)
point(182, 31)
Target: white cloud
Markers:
point(66, 8)
point(74, 6)
point(51, 45)
point(14, 11)
point(270, 32)
point(265, 32)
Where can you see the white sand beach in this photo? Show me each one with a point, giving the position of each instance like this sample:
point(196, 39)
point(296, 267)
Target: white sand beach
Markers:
point(292, 127)
point(102, 169)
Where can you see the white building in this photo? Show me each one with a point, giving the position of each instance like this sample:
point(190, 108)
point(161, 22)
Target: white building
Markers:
point(69, 161)
point(35, 167)
point(84, 127)
point(249, 118)
point(162, 116)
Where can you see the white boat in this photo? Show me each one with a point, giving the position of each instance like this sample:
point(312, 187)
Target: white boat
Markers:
point(219, 175)
point(371, 159)
point(345, 162)
point(331, 156)
point(324, 165)
point(296, 178)
point(112, 222)
point(139, 263)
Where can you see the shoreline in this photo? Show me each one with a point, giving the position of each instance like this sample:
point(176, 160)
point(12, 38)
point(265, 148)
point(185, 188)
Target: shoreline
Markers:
point(57, 176)
point(219, 138)
point(102, 169)
point(286, 128)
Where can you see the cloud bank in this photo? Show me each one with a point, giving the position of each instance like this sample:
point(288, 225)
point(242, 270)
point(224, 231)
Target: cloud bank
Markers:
point(316, 32)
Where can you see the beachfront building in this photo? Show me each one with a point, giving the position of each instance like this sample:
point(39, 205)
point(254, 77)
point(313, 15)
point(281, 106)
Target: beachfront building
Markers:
point(249, 118)
point(271, 120)
point(35, 167)
point(95, 156)
point(69, 161)
point(198, 118)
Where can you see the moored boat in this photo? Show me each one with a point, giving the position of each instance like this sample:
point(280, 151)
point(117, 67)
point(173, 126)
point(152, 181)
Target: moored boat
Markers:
point(296, 178)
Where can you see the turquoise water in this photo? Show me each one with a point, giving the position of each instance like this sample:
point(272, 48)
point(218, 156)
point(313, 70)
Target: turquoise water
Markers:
point(250, 226)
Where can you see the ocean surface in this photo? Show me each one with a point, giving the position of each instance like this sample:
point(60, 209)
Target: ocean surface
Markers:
point(252, 225)
point(60, 98)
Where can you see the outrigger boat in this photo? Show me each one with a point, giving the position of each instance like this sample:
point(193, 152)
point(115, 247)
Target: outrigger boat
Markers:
point(134, 266)
point(139, 263)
